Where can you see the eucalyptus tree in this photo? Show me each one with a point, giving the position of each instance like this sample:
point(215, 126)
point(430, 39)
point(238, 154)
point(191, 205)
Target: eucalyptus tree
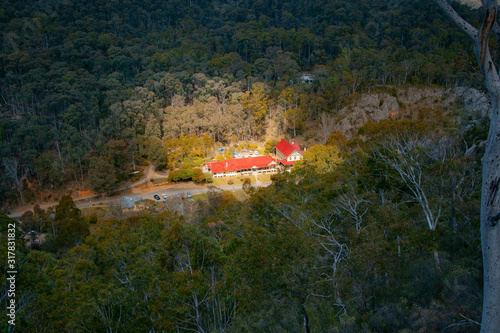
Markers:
point(490, 199)
point(15, 172)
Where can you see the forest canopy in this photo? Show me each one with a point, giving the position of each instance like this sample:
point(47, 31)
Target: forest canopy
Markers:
point(342, 249)
point(80, 76)
point(374, 231)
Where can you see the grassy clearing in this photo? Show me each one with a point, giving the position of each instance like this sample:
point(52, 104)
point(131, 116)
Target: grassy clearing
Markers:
point(159, 180)
point(199, 197)
point(236, 180)
point(266, 177)
point(220, 181)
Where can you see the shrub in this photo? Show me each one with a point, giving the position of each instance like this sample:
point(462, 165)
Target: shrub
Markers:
point(197, 153)
point(181, 174)
point(208, 178)
point(269, 146)
point(195, 163)
point(137, 176)
point(198, 176)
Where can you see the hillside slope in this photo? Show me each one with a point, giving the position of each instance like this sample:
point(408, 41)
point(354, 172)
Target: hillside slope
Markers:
point(405, 103)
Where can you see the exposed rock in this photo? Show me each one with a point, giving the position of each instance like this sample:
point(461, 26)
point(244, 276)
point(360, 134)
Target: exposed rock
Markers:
point(474, 101)
point(405, 103)
point(472, 3)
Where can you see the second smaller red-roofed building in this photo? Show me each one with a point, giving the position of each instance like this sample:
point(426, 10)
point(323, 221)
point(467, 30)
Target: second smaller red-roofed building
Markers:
point(242, 166)
point(288, 153)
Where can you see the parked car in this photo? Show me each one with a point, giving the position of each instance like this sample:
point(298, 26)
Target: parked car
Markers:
point(189, 195)
point(157, 197)
point(177, 194)
point(164, 195)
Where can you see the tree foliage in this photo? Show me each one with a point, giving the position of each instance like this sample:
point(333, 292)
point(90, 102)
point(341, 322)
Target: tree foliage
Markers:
point(345, 248)
point(78, 83)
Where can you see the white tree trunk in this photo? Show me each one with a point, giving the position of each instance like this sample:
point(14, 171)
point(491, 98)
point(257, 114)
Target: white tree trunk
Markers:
point(490, 198)
point(490, 230)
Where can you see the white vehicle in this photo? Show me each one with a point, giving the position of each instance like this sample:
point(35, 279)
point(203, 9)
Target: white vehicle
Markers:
point(164, 195)
point(189, 195)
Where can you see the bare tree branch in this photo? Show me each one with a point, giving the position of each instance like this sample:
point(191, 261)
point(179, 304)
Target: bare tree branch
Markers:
point(465, 26)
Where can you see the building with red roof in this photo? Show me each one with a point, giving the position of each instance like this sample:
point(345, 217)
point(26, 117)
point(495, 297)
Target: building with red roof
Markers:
point(242, 166)
point(288, 153)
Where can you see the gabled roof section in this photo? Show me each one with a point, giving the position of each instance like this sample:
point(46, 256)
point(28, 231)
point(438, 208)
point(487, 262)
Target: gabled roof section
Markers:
point(241, 164)
point(286, 163)
point(288, 148)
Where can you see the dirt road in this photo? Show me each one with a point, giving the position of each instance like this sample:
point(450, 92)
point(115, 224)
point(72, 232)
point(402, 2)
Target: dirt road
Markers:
point(149, 173)
point(169, 190)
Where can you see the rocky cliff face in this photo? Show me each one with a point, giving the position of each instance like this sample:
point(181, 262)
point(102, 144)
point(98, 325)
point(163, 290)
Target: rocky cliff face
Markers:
point(471, 3)
point(405, 103)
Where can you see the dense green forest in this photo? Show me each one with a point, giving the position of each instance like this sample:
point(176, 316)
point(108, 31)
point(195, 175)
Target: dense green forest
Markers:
point(387, 240)
point(378, 232)
point(90, 89)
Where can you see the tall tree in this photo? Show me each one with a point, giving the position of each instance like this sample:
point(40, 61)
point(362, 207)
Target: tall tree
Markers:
point(412, 157)
point(102, 174)
point(156, 153)
point(490, 199)
point(16, 173)
point(256, 102)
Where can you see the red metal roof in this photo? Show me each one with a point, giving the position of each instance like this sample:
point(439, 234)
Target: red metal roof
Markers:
point(287, 148)
point(240, 164)
point(285, 162)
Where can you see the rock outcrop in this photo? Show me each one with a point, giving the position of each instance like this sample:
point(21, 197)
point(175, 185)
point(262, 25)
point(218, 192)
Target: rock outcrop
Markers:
point(405, 103)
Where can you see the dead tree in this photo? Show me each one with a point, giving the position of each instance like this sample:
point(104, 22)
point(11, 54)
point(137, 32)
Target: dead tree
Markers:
point(405, 154)
point(326, 125)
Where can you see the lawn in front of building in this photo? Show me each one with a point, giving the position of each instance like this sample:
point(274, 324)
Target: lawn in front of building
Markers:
point(235, 180)
point(266, 177)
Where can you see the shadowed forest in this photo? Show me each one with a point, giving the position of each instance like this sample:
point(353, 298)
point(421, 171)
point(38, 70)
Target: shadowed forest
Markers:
point(386, 239)
point(90, 89)
point(375, 231)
